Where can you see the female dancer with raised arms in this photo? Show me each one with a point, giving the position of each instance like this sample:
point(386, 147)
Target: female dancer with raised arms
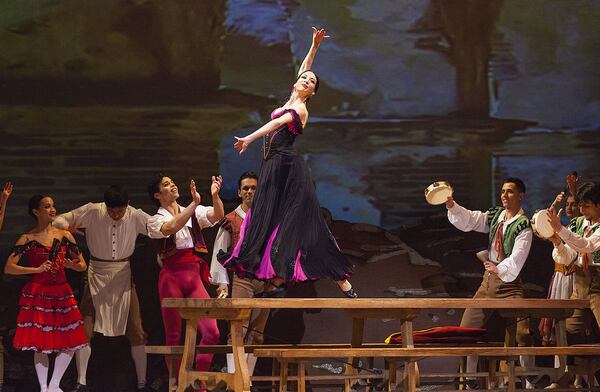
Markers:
point(284, 237)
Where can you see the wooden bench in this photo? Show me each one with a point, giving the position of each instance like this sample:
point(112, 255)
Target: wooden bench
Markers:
point(173, 353)
point(510, 354)
point(238, 310)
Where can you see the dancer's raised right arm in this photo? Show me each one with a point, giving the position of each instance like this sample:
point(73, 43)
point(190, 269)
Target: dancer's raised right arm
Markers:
point(466, 220)
point(318, 36)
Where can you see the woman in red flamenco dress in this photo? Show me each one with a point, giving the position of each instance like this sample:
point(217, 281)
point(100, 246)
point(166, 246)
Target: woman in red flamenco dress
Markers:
point(49, 320)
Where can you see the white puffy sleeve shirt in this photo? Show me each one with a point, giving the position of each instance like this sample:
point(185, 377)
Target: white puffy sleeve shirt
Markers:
point(183, 238)
point(106, 238)
point(510, 267)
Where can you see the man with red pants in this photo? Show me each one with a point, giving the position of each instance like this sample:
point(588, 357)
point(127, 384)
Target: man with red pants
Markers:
point(177, 234)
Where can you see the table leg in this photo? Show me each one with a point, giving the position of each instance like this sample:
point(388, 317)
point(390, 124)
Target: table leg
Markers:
point(511, 376)
point(301, 376)
point(173, 359)
point(411, 371)
point(189, 351)
point(560, 329)
point(358, 327)
point(283, 374)
point(242, 377)
point(491, 378)
point(392, 370)
point(510, 340)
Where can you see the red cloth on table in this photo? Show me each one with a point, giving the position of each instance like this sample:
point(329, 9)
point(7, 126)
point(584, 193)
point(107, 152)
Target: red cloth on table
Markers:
point(442, 335)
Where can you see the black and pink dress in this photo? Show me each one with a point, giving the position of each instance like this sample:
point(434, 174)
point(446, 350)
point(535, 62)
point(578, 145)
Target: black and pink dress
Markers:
point(284, 234)
point(49, 319)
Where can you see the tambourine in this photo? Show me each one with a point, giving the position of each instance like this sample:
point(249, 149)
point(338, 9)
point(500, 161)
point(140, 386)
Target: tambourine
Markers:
point(540, 224)
point(438, 193)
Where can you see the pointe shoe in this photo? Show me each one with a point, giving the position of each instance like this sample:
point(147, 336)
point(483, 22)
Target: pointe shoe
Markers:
point(554, 385)
point(350, 293)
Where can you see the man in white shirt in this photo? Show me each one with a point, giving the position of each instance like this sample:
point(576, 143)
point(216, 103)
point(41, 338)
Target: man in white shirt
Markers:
point(177, 235)
point(510, 238)
point(110, 305)
point(582, 243)
point(227, 237)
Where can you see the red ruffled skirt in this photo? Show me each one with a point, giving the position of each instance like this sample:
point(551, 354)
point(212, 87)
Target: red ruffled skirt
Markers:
point(49, 319)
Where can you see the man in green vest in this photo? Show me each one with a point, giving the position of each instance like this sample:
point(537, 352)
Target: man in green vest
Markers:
point(582, 242)
point(510, 238)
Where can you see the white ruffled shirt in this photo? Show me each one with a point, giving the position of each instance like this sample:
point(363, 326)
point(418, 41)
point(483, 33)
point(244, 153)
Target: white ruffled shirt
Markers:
point(183, 238)
point(510, 267)
point(106, 238)
point(218, 273)
point(575, 246)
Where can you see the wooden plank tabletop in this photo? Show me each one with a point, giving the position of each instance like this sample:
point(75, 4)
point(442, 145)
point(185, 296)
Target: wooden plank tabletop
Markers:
point(372, 303)
point(427, 352)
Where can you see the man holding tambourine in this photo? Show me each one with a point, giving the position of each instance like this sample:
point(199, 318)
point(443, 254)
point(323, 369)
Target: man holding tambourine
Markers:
point(582, 242)
point(510, 238)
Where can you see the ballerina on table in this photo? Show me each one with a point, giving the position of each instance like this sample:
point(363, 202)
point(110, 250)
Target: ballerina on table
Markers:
point(284, 237)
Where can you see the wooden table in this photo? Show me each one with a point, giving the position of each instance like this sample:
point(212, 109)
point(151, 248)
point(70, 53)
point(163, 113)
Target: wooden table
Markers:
point(236, 310)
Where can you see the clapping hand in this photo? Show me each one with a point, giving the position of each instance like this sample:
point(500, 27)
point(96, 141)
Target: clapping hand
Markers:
point(6, 191)
point(215, 186)
point(195, 195)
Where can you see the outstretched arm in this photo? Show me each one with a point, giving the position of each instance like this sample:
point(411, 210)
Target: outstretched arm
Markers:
point(466, 220)
point(318, 36)
point(6, 191)
point(242, 143)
